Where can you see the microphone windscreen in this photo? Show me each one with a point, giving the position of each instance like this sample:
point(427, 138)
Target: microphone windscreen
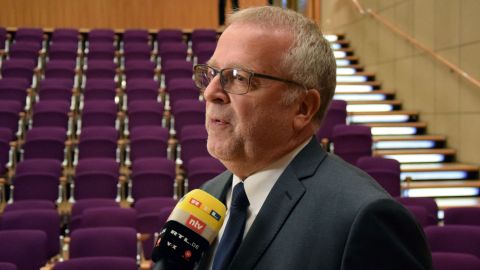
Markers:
point(190, 229)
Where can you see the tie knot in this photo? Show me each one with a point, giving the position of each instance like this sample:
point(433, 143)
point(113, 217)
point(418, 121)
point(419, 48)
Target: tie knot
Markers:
point(239, 197)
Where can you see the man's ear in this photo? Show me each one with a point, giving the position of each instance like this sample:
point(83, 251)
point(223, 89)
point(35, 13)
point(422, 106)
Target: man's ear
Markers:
point(308, 105)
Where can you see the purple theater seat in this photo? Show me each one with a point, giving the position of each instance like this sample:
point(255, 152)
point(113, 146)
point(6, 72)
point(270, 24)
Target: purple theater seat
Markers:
point(176, 68)
point(200, 36)
point(455, 261)
point(145, 113)
point(63, 51)
point(6, 136)
point(172, 50)
point(109, 217)
point(46, 220)
point(25, 50)
point(204, 51)
point(61, 69)
point(352, 142)
point(193, 142)
point(15, 89)
point(10, 115)
point(454, 238)
point(183, 88)
point(97, 263)
point(27, 249)
point(384, 170)
point(81, 205)
point(136, 36)
point(152, 177)
point(29, 205)
point(419, 213)
point(428, 203)
point(98, 142)
point(37, 179)
point(101, 51)
point(29, 34)
point(101, 69)
point(65, 35)
point(45, 142)
point(106, 241)
point(151, 223)
point(51, 113)
point(142, 89)
point(99, 113)
point(139, 69)
point(101, 35)
point(336, 115)
point(18, 68)
point(153, 204)
point(137, 51)
point(55, 89)
point(187, 112)
point(169, 35)
point(148, 141)
point(202, 169)
point(96, 89)
point(462, 216)
point(96, 178)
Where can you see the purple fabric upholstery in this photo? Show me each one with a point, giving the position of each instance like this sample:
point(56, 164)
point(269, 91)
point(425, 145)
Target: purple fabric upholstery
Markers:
point(462, 216)
point(152, 177)
point(454, 238)
point(23, 244)
point(352, 142)
point(96, 178)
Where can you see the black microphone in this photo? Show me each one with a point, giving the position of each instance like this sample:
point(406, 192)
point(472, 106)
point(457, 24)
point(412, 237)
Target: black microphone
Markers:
point(190, 229)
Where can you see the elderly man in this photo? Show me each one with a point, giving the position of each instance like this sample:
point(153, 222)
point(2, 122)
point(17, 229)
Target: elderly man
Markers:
point(291, 204)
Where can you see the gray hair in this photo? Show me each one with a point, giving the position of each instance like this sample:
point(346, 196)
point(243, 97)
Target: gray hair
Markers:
point(310, 59)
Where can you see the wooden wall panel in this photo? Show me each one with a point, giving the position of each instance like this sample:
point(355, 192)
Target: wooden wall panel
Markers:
point(119, 14)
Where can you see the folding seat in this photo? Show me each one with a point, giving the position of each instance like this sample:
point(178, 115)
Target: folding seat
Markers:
point(137, 51)
point(174, 69)
point(454, 261)
point(140, 69)
point(169, 35)
point(6, 136)
point(149, 225)
point(352, 142)
point(52, 113)
point(141, 89)
point(26, 34)
point(135, 36)
point(172, 50)
point(144, 113)
point(46, 220)
point(108, 241)
point(97, 263)
point(101, 35)
point(15, 89)
point(204, 51)
point(99, 89)
point(187, 112)
point(10, 116)
point(37, 179)
point(96, 178)
point(200, 36)
point(101, 51)
point(336, 114)
point(200, 170)
point(385, 171)
point(182, 88)
point(65, 35)
point(454, 238)
point(99, 113)
point(152, 177)
point(25, 50)
point(78, 207)
point(63, 51)
point(428, 203)
point(26, 249)
point(148, 141)
point(193, 143)
point(62, 69)
point(97, 142)
point(56, 89)
point(109, 217)
point(45, 142)
point(29, 205)
point(19, 68)
point(462, 216)
point(101, 69)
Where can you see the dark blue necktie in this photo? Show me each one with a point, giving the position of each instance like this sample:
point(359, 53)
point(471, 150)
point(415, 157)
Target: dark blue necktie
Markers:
point(233, 234)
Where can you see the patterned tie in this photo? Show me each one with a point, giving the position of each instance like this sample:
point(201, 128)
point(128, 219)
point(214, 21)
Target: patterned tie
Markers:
point(233, 234)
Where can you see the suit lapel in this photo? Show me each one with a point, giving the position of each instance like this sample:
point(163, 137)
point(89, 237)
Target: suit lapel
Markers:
point(280, 202)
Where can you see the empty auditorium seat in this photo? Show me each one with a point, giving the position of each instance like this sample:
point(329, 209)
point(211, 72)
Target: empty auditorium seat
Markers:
point(96, 178)
point(79, 206)
point(26, 249)
point(148, 141)
point(200, 170)
point(45, 142)
point(454, 261)
point(352, 142)
point(454, 238)
point(384, 170)
point(428, 203)
point(336, 115)
point(97, 263)
point(462, 216)
point(152, 177)
point(109, 217)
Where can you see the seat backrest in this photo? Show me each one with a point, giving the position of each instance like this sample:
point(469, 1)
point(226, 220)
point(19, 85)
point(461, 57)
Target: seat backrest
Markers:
point(454, 238)
point(428, 203)
point(462, 216)
point(81, 205)
point(29, 205)
point(454, 261)
point(152, 177)
point(352, 142)
point(45, 142)
point(109, 217)
point(202, 169)
point(22, 244)
point(96, 178)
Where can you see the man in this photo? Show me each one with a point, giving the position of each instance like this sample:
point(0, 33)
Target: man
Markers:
point(267, 87)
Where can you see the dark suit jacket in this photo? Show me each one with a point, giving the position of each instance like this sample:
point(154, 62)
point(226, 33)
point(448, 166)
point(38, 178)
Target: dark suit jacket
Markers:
point(326, 214)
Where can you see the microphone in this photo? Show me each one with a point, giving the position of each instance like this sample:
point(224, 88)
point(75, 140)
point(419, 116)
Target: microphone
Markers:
point(190, 229)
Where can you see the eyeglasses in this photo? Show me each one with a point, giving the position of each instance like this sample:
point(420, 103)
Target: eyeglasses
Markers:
point(233, 80)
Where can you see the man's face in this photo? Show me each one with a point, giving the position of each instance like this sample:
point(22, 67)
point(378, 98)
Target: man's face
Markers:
point(250, 130)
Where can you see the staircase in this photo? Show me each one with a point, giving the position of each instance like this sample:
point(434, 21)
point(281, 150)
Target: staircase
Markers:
point(429, 169)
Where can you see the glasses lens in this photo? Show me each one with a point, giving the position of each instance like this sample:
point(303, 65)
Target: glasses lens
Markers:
point(235, 81)
point(203, 75)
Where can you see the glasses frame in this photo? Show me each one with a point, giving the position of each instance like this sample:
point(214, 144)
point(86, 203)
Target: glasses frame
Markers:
point(251, 73)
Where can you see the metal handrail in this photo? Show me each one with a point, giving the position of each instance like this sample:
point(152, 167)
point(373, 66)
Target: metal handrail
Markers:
point(417, 44)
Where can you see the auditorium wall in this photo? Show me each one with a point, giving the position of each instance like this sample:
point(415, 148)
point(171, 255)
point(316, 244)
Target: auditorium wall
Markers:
point(448, 103)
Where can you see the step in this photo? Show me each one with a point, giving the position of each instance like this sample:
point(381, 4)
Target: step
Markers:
point(357, 86)
point(418, 155)
point(373, 105)
point(358, 77)
point(375, 95)
point(397, 116)
point(439, 171)
point(345, 61)
point(409, 141)
point(460, 189)
point(407, 128)
point(349, 69)
point(445, 203)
